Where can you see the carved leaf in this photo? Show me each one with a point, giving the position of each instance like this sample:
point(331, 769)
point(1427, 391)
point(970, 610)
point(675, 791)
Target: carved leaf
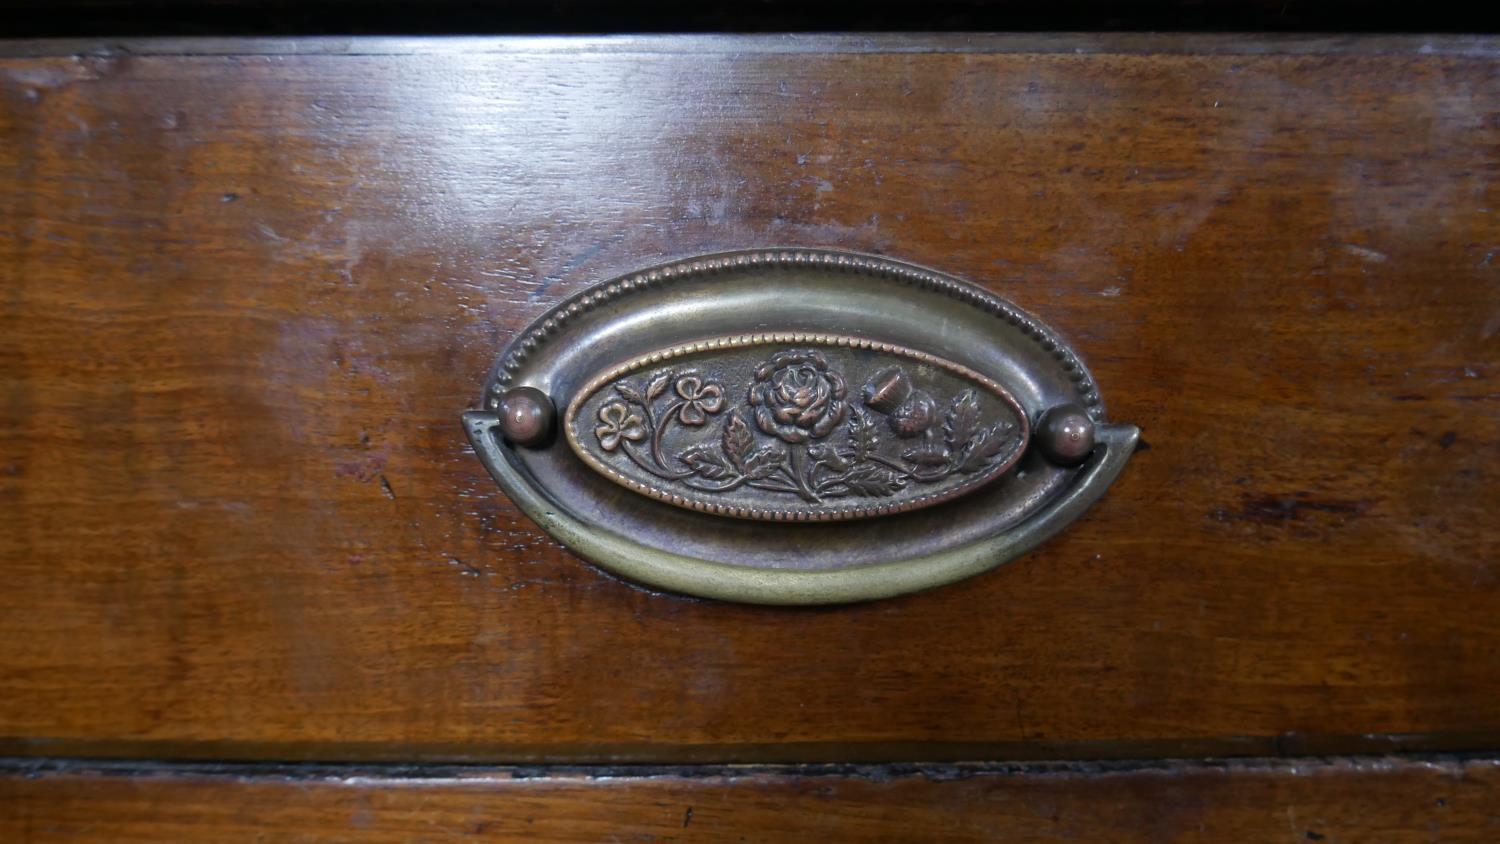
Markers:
point(764, 461)
point(706, 462)
point(963, 420)
point(932, 454)
point(983, 447)
point(873, 480)
point(737, 439)
point(657, 385)
point(834, 459)
point(863, 435)
point(629, 392)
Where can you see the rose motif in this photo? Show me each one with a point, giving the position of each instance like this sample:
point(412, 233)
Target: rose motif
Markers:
point(618, 421)
point(915, 415)
point(797, 397)
point(699, 400)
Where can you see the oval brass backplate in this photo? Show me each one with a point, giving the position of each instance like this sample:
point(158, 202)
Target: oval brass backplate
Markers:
point(765, 426)
point(795, 427)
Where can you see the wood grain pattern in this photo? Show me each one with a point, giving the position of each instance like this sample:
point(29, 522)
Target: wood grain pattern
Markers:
point(1365, 800)
point(246, 297)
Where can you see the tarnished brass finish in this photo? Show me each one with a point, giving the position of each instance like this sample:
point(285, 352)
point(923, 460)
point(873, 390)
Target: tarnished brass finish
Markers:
point(884, 413)
point(1066, 435)
point(526, 416)
point(768, 426)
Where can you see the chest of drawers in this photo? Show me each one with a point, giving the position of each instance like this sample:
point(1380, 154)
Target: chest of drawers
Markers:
point(248, 286)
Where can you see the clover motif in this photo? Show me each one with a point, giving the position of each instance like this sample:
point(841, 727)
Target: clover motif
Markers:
point(699, 400)
point(617, 422)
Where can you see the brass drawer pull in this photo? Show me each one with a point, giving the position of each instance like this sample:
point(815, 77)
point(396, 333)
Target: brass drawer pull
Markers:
point(912, 429)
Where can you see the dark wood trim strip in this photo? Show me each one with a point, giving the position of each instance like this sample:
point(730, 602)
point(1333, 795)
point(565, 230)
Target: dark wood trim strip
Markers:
point(1229, 747)
point(1393, 800)
point(12, 766)
point(1251, 44)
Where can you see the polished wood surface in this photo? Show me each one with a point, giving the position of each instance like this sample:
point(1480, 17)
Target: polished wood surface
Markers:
point(245, 298)
point(1393, 802)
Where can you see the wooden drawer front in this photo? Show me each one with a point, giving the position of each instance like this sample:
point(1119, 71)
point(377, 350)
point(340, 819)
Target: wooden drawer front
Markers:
point(1246, 802)
point(249, 288)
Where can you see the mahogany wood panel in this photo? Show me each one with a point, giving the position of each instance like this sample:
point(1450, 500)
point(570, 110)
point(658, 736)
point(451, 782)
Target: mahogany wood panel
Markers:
point(1365, 800)
point(246, 296)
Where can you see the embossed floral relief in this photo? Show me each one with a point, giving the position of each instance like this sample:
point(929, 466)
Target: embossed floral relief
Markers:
point(799, 431)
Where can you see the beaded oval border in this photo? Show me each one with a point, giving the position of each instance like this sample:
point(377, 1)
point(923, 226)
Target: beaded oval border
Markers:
point(794, 258)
